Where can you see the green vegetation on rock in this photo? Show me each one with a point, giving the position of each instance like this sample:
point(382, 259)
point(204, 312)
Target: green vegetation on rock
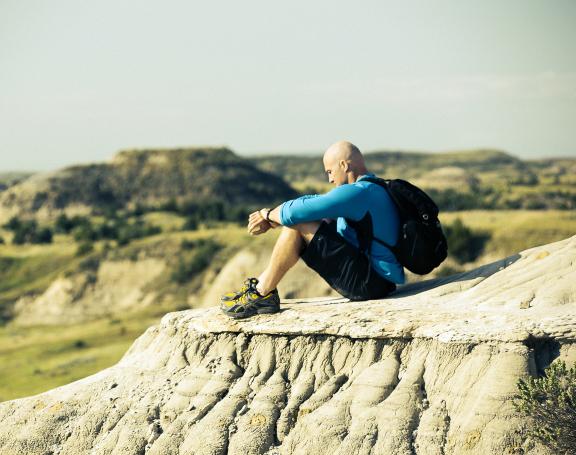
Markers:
point(550, 404)
point(193, 258)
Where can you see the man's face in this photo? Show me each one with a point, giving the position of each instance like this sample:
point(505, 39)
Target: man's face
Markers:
point(336, 171)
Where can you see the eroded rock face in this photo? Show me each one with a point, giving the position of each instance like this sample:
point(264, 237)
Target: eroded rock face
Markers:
point(430, 370)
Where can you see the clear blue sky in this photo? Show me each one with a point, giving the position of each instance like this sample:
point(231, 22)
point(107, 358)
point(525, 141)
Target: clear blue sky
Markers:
point(80, 80)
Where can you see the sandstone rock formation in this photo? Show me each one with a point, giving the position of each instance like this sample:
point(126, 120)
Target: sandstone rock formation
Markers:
point(430, 370)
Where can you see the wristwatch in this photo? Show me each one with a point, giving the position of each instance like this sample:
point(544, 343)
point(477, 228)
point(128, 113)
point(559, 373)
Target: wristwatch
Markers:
point(268, 216)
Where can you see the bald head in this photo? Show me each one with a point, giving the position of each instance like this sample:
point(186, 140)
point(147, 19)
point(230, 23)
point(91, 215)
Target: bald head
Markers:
point(344, 163)
point(343, 150)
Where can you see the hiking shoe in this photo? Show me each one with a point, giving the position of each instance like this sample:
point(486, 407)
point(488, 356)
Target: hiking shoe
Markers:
point(251, 302)
point(250, 282)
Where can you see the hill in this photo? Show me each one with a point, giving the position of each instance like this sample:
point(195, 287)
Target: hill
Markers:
point(463, 180)
point(431, 369)
point(396, 164)
point(8, 179)
point(149, 178)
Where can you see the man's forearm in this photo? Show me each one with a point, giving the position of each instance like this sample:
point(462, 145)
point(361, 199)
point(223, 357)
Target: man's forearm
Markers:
point(275, 215)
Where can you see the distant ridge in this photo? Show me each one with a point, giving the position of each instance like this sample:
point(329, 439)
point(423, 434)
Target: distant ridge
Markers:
point(8, 179)
point(393, 163)
point(149, 177)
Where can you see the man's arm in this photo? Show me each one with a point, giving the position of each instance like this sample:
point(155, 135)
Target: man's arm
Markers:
point(274, 216)
point(346, 201)
point(261, 221)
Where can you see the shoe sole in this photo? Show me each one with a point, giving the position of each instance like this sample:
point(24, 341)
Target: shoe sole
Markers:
point(252, 312)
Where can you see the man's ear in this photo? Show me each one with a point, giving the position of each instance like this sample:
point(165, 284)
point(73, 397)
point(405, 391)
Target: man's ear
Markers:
point(344, 165)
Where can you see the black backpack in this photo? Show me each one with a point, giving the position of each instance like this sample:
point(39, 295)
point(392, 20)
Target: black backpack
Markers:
point(421, 244)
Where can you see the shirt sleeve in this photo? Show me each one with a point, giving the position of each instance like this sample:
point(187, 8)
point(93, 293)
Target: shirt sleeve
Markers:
point(346, 201)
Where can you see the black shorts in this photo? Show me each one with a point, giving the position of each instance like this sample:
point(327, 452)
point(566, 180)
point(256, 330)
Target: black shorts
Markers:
point(343, 266)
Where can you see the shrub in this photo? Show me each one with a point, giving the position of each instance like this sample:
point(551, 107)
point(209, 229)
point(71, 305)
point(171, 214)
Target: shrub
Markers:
point(65, 225)
point(202, 253)
point(187, 244)
point(169, 206)
point(139, 210)
point(80, 344)
point(2, 242)
point(447, 270)
point(464, 244)
point(28, 232)
point(550, 402)
point(85, 233)
point(43, 235)
point(191, 224)
point(237, 214)
point(84, 248)
point(130, 231)
point(90, 264)
point(13, 224)
point(213, 211)
point(451, 200)
point(123, 238)
point(115, 228)
point(108, 230)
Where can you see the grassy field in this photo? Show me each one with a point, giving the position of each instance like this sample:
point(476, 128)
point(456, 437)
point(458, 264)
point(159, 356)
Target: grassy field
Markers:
point(35, 359)
point(30, 268)
point(512, 231)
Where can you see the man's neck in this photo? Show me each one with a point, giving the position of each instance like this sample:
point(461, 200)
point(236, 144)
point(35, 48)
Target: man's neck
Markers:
point(357, 177)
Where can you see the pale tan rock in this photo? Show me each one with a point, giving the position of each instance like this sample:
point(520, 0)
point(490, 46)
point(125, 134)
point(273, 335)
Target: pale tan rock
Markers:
point(429, 370)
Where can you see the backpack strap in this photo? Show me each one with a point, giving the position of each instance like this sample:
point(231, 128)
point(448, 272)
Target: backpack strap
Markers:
point(365, 233)
point(364, 227)
point(382, 242)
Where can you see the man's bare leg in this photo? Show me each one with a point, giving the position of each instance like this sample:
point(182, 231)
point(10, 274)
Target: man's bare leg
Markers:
point(285, 254)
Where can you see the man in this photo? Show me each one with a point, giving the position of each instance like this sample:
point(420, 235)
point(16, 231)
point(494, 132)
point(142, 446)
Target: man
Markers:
point(317, 229)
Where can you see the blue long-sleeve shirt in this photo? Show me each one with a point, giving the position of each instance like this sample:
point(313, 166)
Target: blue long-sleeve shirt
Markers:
point(352, 201)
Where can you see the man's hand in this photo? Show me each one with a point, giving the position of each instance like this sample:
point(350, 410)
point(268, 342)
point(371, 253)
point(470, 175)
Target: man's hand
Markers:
point(257, 223)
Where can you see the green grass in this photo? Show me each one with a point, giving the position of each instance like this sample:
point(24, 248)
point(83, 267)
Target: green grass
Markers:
point(31, 268)
point(516, 230)
point(165, 220)
point(35, 359)
point(539, 189)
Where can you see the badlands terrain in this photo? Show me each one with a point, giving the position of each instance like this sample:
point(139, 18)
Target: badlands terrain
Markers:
point(429, 370)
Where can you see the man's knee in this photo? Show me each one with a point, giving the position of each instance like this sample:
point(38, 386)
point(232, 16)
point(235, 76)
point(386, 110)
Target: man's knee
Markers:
point(307, 230)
